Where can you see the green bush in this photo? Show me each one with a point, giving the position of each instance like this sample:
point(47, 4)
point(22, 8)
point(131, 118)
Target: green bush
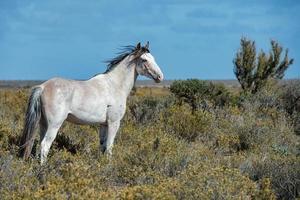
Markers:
point(199, 94)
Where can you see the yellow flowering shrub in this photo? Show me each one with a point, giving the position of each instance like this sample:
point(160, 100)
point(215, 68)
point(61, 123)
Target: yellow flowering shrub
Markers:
point(182, 122)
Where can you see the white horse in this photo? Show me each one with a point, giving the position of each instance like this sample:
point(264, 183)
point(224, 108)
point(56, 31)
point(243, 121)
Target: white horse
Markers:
point(100, 100)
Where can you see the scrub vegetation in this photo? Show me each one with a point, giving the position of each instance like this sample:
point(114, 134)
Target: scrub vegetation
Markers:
point(194, 140)
point(181, 143)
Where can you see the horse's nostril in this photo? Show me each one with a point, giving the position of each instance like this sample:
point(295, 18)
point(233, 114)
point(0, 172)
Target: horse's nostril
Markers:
point(160, 77)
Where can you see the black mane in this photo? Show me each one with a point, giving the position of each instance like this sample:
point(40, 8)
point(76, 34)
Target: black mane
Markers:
point(126, 51)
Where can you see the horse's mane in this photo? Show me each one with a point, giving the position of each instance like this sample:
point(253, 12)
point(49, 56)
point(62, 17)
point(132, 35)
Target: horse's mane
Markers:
point(125, 51)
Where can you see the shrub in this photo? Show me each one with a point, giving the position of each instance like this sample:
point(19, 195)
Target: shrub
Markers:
point(147, 109)
point(228, 143)
point(203, 182)
point(185, 124)
point(199, 93)
point(283, 173)
point(291, 102)
point(257, 129)
point(208, 182)
point(267, 97)
point(163, 190)
point(151, 155)
point(253, 71)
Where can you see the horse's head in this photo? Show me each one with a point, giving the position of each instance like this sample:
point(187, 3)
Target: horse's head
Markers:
point(146, 65)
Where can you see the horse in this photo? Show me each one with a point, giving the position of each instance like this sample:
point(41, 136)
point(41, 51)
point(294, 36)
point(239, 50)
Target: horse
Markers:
point(100, 100)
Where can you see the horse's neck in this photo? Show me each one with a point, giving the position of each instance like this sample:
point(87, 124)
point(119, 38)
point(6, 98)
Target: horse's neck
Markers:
point(122, 77)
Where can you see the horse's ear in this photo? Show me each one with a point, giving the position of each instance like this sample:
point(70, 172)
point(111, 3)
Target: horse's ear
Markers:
point(147, 45)
point(138, 46)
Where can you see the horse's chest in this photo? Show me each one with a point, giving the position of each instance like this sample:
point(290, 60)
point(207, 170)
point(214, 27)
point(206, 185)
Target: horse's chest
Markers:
point(115, 112)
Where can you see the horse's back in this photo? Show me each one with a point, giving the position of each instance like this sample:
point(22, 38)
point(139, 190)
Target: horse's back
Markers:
point(57, 88)
point(58, 82)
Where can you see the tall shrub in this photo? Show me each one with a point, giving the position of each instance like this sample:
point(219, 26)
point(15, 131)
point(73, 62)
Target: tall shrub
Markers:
point(254, 70)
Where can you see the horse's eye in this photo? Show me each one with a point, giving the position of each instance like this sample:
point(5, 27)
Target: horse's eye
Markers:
point(144, 60)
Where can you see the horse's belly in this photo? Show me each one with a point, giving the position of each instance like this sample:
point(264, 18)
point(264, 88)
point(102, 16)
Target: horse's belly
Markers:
point(82, 118)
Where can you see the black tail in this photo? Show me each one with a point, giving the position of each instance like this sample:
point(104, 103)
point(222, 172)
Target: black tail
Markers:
point(33, 115)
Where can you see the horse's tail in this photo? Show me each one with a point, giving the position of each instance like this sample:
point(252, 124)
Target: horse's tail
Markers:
point(33, 115)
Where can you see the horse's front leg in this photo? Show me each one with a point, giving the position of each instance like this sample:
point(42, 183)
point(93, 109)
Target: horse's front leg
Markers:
point(103, 137)
point(111, 134)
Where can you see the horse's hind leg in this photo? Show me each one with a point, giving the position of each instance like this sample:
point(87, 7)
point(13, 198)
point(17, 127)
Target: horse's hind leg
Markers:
point(47, 141)
point(43, 128)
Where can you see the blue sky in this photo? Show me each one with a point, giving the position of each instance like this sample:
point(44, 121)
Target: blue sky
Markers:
point(188, 38)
